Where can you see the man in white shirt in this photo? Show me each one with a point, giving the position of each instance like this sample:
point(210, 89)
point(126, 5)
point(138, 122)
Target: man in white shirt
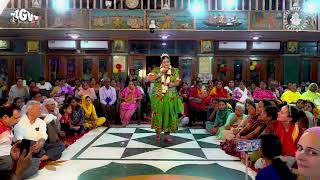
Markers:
point(31, 127)
point(9, 116)
point(108, 97)
point(45, 87)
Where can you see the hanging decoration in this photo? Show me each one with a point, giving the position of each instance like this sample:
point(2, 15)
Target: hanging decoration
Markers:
point(118, 67)
point(115, 71)
point(254, 66)
point(223, 68)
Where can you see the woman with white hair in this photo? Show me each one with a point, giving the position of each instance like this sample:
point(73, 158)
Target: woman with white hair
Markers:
point(233, 120)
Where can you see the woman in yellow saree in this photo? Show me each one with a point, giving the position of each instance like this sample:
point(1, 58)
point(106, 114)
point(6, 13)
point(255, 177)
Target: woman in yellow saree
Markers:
point(91, 119)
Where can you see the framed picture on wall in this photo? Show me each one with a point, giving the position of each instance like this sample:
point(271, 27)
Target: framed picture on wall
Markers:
point(119, 45)
point(33, 46)
point(292, 47)
point(206, 46)
point(4, 44)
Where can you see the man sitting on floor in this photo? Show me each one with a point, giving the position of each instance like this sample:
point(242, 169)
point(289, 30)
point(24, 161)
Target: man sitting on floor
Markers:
point(31, 127)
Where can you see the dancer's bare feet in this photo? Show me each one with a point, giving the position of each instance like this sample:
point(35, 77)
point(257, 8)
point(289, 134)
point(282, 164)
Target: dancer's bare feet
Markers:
point(168, 138)
point(157, 138)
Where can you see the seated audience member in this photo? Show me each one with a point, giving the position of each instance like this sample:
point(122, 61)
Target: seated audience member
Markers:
point(119, 85)
point(308, 154)
point(137, 84)
point(18, 90)
point(210, 86)
point(230, 88)
point(263, 93)
point(18, 102)
point(291, 96)
point(35, 96)
point(274, 168)
point(87, 91)
point(55, 88)
point(253, 125)
point(50, 106)
point(64, 88)
point(241, 93)
point(183, 120)
point(9, 116)
point(302, 88)
point(33, 88)
point(184, 94)
point(43, 85)
point(221, 118)
point(66, 120)
point(310, 107)
point(287, 129)
point(231, 134)
point(275, 88)
point(300, 104)
point(262, 104)
point(31, 127)
point(312, 95)
point(4, 102)
point(77, 87)
point(51, 116)
point(219, 92)
point(108, 97)
point(95, 85)
point(212, 111)
point(77, 116)
point(233, 120)
point(91, 119)
point(130, 97)
point(197, 95)
point(252, 87)
point(3, 87)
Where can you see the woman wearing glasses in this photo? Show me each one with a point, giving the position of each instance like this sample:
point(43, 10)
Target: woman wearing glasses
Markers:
point(308, 154)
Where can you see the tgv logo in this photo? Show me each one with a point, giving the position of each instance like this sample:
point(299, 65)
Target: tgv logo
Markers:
point(23, 15)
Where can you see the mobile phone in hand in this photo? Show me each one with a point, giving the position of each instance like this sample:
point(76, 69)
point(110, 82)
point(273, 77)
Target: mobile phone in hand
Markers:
point(25, 145)
point(248, 145)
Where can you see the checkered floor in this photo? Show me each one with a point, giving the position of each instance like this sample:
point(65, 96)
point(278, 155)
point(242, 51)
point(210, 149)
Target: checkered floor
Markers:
point(139, 144)
point(124, 153)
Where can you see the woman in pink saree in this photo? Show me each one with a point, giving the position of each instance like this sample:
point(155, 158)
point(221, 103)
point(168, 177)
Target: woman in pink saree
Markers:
point(130, 97)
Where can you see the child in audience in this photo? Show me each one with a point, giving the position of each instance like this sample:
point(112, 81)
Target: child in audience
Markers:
point(274, 167)
point(66, 125)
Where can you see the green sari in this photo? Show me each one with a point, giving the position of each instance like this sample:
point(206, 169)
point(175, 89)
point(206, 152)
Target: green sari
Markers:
point(165, 107)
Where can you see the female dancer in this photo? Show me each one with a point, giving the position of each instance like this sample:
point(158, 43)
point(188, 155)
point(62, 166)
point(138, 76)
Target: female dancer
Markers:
point(165, 100)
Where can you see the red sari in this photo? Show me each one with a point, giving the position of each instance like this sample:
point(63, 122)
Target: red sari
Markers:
point(218, 93)
point(215, 93)
point(288, 140)
point(196, 93)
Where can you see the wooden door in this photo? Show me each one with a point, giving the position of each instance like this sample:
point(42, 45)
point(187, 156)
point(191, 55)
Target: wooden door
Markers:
point(11, 68)
point(187, 72)
point(230, 68)
point(105, 67)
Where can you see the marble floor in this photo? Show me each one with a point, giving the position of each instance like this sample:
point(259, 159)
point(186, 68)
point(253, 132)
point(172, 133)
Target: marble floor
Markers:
point(131, 153)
